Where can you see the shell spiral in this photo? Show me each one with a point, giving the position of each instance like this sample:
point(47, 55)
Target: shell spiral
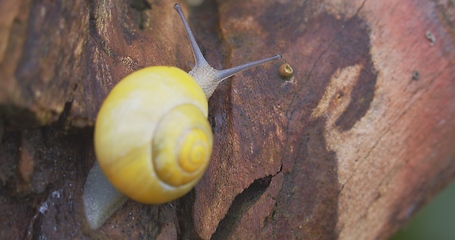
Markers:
point(152, 138)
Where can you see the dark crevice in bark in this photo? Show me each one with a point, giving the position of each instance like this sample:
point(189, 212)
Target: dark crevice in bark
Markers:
point(140, 6)
point(240, 205)
point(186, 229)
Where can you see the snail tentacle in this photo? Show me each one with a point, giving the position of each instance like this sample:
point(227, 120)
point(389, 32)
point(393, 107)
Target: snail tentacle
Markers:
point(207, 76)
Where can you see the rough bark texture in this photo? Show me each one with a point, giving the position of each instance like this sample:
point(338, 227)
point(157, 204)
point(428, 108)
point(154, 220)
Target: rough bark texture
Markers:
point(350, 148)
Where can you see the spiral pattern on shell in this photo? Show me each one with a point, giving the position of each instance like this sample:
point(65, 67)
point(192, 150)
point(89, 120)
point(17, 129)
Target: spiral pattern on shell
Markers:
point(152, 138)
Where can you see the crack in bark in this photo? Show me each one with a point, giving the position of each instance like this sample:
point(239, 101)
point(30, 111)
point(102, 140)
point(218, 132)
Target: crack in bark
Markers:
point(140, 6)
point(241, 204)
point(185, 217)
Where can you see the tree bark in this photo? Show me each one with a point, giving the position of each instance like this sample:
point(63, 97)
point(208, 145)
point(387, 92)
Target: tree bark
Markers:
point(360, 138)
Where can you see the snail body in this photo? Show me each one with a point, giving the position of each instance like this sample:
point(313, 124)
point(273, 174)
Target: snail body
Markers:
point(152, 138)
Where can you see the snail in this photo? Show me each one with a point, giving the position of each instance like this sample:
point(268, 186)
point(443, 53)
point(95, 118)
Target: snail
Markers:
point(152, 138)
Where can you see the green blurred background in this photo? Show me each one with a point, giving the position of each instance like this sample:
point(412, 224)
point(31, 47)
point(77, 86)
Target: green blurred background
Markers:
point(434, 221)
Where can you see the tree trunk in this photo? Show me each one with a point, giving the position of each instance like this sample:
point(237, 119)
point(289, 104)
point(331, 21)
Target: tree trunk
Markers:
point(350, 147)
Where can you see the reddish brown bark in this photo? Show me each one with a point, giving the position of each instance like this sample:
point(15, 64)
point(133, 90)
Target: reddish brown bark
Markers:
point(350, 148)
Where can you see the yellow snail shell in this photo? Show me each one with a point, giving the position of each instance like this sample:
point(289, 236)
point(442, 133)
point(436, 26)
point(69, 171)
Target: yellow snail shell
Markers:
point(152, 135)
point(152, 138)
